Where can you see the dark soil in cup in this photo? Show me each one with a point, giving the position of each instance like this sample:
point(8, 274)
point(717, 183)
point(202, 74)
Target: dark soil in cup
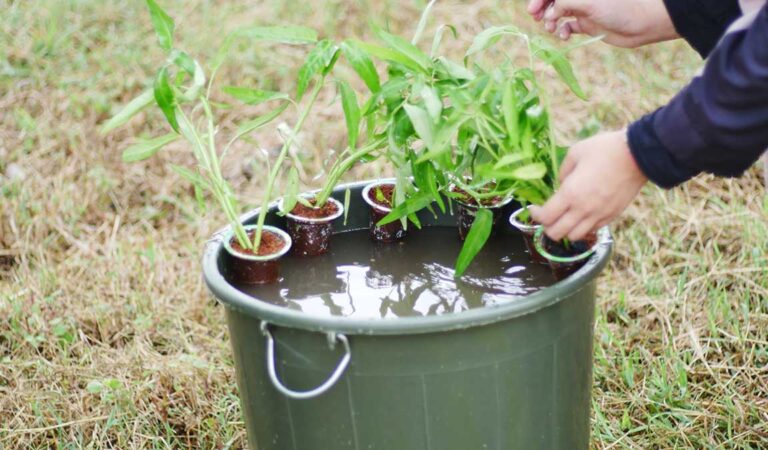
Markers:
point(572, 248)
point(313, 236)
point(383, 196)
point(270, 244)
point(468, 207)
point(327, 210)
point(467, 199)
point(247, 272)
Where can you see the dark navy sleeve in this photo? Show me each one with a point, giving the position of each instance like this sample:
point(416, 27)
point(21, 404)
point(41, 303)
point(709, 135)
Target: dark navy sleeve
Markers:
point(702, 22)
point(718, 123)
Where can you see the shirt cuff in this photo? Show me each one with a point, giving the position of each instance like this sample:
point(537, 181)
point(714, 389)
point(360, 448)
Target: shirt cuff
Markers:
point(653, 158)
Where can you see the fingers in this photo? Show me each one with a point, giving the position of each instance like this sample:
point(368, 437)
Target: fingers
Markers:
point(564, 225)
point(551, 211)
point(553, 11)
point(556, 11)
point(583, 228)
point(537, 8)
point(569, 163)
point(569, 28)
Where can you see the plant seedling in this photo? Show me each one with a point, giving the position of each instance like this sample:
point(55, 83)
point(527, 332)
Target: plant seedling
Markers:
point(462, 130)
point(183, 94)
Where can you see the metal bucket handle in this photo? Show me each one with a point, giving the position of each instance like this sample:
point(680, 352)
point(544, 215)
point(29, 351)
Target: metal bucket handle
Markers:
point(312, 393)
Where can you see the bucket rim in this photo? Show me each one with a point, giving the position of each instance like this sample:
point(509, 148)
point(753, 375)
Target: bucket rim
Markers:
point(281, 316)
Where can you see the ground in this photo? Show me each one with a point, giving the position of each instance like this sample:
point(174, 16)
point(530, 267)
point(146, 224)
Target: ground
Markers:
point(108, 338)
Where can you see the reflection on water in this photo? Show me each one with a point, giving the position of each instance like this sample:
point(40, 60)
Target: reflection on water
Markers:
point(362, 279)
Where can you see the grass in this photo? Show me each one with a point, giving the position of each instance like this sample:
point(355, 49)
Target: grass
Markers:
point(108, 338)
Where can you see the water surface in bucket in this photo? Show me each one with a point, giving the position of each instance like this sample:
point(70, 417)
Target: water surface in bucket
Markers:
point(362, 279)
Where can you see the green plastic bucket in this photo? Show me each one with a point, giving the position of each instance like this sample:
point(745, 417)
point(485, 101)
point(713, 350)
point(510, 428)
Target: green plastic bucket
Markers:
point(512, 376)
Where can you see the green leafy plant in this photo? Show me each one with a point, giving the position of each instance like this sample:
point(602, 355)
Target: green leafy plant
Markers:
point(183, 94)
point(464, 131)
point(362, 145)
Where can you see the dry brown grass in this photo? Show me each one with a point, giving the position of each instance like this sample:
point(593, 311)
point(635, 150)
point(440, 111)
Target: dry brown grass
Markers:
point(109, 340)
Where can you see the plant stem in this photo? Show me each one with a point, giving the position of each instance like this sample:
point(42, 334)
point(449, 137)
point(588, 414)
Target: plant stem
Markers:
point(279, 162)
point(340, 169)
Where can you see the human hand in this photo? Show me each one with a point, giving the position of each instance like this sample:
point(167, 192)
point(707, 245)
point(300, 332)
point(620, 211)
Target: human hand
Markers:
point(599, 179)
point(624, 23)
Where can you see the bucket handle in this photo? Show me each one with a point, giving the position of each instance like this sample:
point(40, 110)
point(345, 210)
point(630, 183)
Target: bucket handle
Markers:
point(312, 393)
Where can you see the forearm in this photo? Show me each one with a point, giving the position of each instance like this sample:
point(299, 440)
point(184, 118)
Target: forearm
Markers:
point(719, 123)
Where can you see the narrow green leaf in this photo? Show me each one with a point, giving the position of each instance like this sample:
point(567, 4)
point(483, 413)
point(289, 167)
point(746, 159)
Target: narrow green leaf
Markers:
point(165, 97)
point(476, 239)
point(511, 114)
point(351, 112)
point(530, 195)
point(422, 123)
point(190, 176)
point(424, 177)
point(291, 196)
point(443, 138)
point(422, 23)
point(490, 36)
point(433, 102)
point(347, 199)
point(438, 39)
point(535, 171)
point(163, 24)
point(251, 96)
point(563, 68)
point(361, 64)
point(404, 47)
point(509, 159)
point(318, 60)
point(408, 207)
point(131, 109)
point(390, 55)
point(456, 70)
point(183, 60)
point(146, 148)
point(253, 125)
point(223, 52)
point(191, 67)
point(281, 34)
point(200, 198)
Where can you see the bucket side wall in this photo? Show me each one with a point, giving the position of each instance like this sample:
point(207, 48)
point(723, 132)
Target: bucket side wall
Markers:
point(522, 383)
